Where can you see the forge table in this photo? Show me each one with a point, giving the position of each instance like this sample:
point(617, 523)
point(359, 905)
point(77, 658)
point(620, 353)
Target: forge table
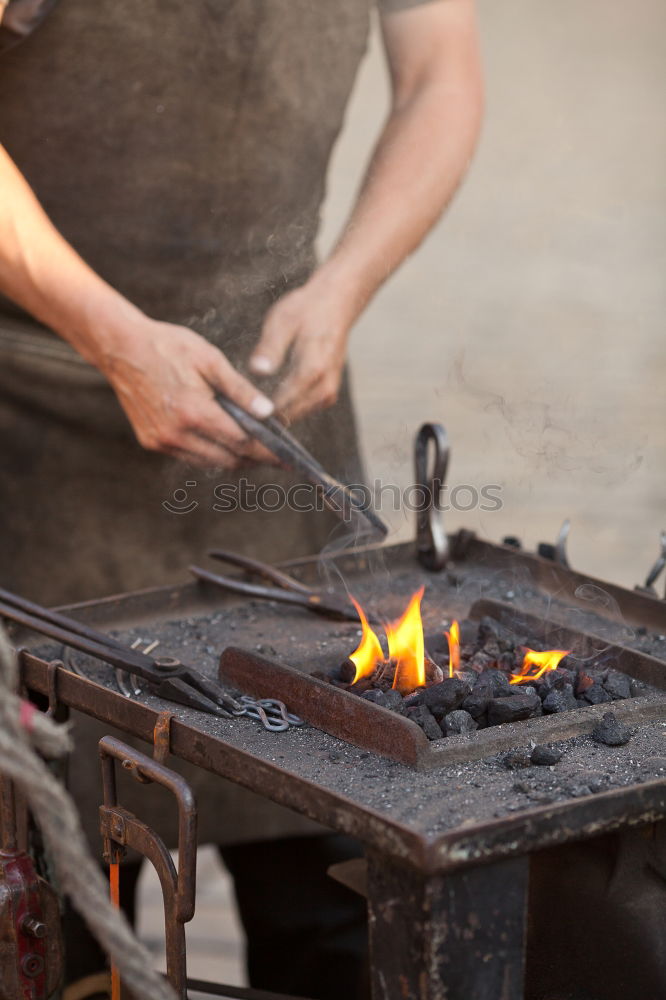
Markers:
point(448, 850)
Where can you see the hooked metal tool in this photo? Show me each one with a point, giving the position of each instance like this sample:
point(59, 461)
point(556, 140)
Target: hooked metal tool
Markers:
point(338, 498)
point(657, 568)
point(432, 544)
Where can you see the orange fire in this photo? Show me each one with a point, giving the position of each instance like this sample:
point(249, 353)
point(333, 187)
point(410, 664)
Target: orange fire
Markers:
point(407, 647)
point(369, 652)
point(453, 639)
point(548, 660)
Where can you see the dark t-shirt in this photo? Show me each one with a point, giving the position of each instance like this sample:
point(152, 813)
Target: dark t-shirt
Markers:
point(182, 148)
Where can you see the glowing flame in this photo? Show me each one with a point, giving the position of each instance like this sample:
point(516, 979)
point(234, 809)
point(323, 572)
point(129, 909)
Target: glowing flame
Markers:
point(407, 647)
point(453, 639)
point(548, 660)
point(369, 652)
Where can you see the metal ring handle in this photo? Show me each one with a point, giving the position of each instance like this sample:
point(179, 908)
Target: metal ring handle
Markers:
point(432, 544)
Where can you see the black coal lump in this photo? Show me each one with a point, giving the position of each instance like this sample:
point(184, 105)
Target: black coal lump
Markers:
point(445, 697)
point(555, 680)
point(495, 683)
point(596, 695)
point(545, 756)
point(376, 697)
point(424, 718)
point(559, 700)
point(512, 709)
point(617, 685)
point(477, 703)
point(611, 732)
point(458, 722)
point(394, 700)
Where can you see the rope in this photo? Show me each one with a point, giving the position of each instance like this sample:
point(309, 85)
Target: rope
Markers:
point(24, 730)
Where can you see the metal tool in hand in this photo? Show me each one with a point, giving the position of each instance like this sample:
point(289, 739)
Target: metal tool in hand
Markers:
point(167, 677)
point(288, 590)
point(432, 544)
point(337, 497)
point(657, 568)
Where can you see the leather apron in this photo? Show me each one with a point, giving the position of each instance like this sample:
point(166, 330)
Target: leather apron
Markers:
point(182, 149)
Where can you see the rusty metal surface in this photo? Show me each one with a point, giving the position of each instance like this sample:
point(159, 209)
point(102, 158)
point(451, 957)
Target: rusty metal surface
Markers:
point(453, 830)
point(464, 813)
point(328, 708)
point(345, 715)
point(445, 937)
point(633, 607)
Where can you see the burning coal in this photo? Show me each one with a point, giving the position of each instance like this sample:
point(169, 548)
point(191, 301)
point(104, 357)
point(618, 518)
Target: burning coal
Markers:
point(471, 676)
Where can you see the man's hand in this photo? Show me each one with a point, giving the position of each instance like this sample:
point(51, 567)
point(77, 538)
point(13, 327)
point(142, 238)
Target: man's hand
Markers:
point(311, 326)
point(418, 162)
point(165, 377)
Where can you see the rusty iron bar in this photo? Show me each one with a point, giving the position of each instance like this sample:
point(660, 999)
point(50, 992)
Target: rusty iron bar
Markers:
point(371, 727)
point(329, 708)
point(121, 829)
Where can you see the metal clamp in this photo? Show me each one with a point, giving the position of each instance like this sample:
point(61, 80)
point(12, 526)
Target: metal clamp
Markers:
point(432, 544)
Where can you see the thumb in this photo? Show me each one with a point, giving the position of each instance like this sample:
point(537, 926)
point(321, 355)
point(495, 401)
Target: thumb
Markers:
point(222, 375)
point(278, 334)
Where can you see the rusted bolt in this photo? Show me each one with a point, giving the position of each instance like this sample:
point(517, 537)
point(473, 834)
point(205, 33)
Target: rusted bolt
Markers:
point(32, 926)
point(32, 965)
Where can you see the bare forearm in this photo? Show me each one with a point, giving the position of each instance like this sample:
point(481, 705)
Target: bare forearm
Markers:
point(42, 273)
point(419, 161)
point(417, 166)
point(164, 375)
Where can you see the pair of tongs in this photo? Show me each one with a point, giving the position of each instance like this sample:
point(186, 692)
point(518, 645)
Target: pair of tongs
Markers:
point(337, 497)
point(288, 589)
point(166, 678)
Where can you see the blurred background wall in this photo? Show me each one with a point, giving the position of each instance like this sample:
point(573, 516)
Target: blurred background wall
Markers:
point(531, 323)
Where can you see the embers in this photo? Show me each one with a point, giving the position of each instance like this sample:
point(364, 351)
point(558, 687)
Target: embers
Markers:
point(491, 677)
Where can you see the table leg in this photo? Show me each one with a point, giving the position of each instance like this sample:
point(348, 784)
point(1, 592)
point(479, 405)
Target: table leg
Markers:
point(459, 936)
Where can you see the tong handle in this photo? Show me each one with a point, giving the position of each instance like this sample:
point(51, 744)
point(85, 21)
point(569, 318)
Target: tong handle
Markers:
point(15, 603)
point(113, 653)
point(280, 442)
point(259, 568)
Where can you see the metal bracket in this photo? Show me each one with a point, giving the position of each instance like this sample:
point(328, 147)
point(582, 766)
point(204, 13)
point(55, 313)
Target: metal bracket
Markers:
point(162, 737)
point(56, 710)
point(121, 829)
